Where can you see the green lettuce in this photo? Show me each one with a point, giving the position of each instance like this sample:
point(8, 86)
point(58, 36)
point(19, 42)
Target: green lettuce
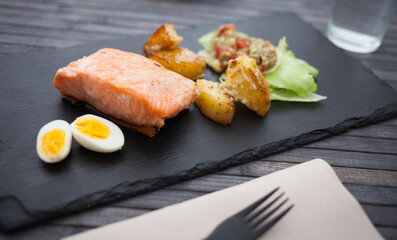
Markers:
point(291, 96)
point(291, 80)
point(205, 40)
point(293, 74)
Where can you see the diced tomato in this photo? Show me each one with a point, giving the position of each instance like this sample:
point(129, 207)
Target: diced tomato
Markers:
point(266, 44)
point(263, 68)
point(218, 51)
point(242, 43)
point(226, 28)
point(222, 64)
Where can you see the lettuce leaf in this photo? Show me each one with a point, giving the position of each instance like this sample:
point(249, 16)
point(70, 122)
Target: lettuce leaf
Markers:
point(291, 96)
point(293, 74)
point(205, 40)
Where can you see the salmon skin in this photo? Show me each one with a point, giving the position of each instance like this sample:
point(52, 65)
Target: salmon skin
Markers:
point(127, 87)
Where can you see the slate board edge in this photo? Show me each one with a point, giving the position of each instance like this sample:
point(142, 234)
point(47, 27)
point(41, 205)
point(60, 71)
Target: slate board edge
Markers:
point(126, 189)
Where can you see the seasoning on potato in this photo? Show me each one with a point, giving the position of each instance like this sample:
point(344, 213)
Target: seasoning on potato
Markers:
point(245, 82)
point(214, 102)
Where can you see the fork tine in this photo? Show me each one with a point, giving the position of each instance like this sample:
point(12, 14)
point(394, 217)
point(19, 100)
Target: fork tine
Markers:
point(263, 229)
point(247, 210)
point(262, 219)
point(264, 208)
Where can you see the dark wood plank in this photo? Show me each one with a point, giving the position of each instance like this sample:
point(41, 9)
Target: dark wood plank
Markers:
point(375, 131)
point(39, 42)
point(76, 27)
point(104, 9)
point(367, 177)
point(374, 195)
point(210, 183)
point(348, 143)
point(387, 232)
point(53, 33)
point(338, 158)
point(10, 49)
point(203, 12)
point(73, 15)
point(381, 215)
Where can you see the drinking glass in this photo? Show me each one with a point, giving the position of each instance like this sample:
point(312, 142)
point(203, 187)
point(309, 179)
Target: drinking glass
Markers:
point(359, 25)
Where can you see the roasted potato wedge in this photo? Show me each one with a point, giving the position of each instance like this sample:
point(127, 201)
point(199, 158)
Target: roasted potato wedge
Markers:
point(246, 84)
point(164, 38)
point(182, 61)
point(214, 103)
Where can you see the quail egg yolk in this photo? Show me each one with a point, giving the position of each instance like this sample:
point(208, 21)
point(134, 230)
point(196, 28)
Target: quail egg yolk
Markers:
point(53, 143)
point(92, 127)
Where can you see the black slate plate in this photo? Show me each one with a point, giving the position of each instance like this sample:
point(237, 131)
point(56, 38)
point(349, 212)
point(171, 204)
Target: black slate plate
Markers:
point(188, 146)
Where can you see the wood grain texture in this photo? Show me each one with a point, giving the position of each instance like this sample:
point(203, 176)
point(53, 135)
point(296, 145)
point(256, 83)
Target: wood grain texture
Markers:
point(364, 159)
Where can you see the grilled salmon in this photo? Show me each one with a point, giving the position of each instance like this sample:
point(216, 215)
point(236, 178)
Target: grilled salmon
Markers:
point(131, 89)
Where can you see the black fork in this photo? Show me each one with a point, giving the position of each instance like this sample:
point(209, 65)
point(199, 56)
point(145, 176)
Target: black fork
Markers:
point(247, 224)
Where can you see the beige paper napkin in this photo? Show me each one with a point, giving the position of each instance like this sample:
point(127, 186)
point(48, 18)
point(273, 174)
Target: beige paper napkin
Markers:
point(323, 209)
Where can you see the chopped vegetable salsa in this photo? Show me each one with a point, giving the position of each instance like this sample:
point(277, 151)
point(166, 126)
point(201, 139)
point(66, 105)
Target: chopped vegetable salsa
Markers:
point(228, 43)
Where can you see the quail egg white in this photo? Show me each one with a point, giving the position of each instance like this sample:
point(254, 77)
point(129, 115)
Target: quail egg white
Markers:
point(54, 141)
point(97, 134)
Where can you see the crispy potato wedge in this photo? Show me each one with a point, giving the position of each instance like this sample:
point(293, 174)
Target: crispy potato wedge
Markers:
point(247, 84)
point(164, 38)
point(214, 103)
point(182, 61)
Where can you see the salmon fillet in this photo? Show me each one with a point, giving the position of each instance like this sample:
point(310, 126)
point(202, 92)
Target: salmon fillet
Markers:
point(128, 87)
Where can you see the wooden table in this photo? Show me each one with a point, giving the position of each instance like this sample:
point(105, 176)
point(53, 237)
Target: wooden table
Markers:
point(365, 159)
